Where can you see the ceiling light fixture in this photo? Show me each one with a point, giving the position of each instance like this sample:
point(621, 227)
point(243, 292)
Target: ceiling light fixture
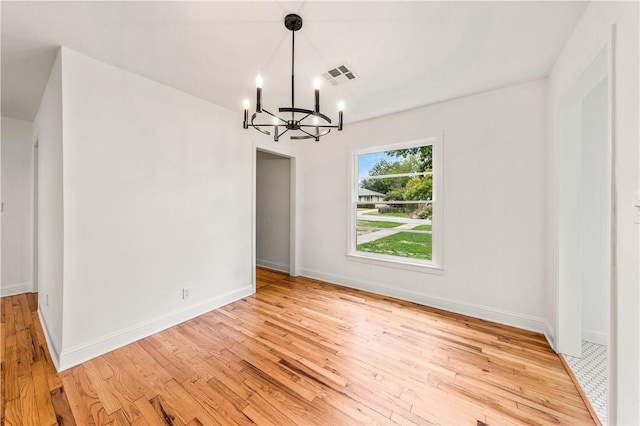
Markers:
point(281, 125)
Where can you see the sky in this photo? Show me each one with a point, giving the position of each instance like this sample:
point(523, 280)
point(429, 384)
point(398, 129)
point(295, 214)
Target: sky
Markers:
point(366, 161)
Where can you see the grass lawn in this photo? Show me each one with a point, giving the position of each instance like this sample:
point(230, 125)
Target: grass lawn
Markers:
point(374, 224)
point(405, 244)
point(378, 224)
point(422, 228)
point(393, 214)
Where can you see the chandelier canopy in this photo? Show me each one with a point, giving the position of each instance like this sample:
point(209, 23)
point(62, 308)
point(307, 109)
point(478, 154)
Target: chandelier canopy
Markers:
point(318, 125)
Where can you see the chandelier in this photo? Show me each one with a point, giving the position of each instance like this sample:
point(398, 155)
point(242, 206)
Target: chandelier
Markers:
point(296, 122)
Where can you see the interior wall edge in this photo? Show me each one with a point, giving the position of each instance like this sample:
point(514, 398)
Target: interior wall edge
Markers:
point(514, 319)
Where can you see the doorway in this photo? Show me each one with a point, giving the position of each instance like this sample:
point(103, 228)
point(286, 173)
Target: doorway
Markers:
point(585, 230)
point(274, 213)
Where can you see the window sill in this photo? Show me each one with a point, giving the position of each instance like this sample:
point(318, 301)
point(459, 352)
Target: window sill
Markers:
point(398, 264)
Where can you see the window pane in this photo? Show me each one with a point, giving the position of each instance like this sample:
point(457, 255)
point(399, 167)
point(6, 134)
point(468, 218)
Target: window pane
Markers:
point(394, 242)
point(408, 160)
point(406, 188)
point(394, 204)
point(402, 212)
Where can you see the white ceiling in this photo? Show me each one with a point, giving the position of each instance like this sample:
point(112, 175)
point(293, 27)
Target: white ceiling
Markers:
point(405, 54)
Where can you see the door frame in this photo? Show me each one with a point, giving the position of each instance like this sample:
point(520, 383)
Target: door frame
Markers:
point(566, 297)
point(293, 219)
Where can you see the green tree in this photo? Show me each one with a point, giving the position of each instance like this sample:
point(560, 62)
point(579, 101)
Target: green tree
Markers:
point(423, 155)
point(418, 188)
point(386, 185)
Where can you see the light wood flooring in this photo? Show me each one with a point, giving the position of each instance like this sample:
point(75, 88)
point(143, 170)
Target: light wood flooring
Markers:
point(300, 351)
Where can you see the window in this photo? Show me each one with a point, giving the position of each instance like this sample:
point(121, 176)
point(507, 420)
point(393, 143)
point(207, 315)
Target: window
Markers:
point(396, 205)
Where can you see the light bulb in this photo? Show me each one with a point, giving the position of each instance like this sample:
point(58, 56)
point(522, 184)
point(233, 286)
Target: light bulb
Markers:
point(341, 106)
point(316, 121)
point(259, 81)
point(316, 83)
point(275, 121)
point(246, 104)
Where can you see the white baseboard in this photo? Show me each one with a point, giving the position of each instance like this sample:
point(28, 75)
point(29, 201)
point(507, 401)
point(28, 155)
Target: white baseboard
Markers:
point(595, 337)
point(81, 353)
point(273, 265)
point(514, 319)
point(51, 338)
point(13, 289)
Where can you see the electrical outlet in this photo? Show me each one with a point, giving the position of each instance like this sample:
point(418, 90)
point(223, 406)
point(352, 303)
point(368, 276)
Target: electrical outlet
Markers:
point(186, 293)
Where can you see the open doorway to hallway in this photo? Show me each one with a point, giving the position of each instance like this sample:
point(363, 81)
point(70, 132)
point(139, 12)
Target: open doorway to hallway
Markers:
point(273, 217)
point(586, 281)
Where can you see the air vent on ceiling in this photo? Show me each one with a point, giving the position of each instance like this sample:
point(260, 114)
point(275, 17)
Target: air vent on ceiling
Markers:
point(340, 74)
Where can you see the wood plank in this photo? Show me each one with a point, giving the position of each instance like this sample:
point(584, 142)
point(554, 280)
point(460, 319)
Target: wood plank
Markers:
point(25, 310)
point(223, 410)
point(261, 412)
point(10, 388)
point(13, 413)
point(46, 412)
point(32, 299)
point(61, 406)
point(284, 400)
point(82, 413)
point(118, 418)
point(186, 407)
point(18, 317)
point(148, 412)
point(165, 411)
point(101, 387)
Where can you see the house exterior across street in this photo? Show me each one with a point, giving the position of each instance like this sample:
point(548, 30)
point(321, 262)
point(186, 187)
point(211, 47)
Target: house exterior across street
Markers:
point(368, 196)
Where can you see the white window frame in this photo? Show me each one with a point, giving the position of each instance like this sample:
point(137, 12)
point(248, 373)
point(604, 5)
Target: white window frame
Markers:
point(435, 265)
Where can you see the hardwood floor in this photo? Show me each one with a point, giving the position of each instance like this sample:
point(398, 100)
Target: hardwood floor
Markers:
point(298, 352)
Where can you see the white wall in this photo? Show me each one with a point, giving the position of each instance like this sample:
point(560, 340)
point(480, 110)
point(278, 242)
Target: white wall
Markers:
point(587, 36)
point(48, 132)
point(493, 205)
point(273, 175)
point(155, 200)
point(17, 196)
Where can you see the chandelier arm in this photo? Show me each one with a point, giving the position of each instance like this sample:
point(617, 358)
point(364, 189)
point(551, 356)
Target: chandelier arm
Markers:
point(322, 126)
point(310, 135)
point(300, 110)
point(324, 117)
point(302, 119)
point(277, 136)
point(305, 111)
point(307, 133)
point(324, 133)
point(273, 115)
point(255, 126)
point(260, 130)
